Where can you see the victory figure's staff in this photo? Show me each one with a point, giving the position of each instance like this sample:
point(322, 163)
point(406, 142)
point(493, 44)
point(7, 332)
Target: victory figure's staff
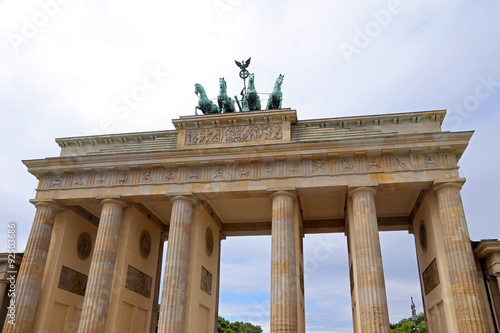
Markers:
point(243, 74)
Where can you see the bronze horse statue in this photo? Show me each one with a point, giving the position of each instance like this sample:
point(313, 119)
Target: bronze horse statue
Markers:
point(226, 104)
point(276, 97)
point(251, 100)
point(204, 104)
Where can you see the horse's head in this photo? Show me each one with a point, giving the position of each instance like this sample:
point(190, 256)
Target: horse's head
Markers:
point(198, 88)
point(222, 83)
point(251, 78)
point(279, 80)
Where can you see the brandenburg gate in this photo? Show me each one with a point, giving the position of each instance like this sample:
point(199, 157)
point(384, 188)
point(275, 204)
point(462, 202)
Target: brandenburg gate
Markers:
point(108, 203)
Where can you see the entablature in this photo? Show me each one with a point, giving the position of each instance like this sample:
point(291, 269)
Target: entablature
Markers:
point(424, 147)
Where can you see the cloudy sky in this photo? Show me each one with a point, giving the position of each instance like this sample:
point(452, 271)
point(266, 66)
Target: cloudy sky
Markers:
point(74, 67)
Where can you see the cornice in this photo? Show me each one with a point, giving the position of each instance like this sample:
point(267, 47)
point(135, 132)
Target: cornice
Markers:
point(487, 248)
point(380, 119)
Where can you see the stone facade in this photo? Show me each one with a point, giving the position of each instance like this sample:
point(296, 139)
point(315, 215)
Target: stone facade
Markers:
point(202, 182)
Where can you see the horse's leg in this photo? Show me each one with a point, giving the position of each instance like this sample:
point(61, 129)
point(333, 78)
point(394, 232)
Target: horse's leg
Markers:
point(220, 101)
point(198, 108)
point(215, 108)
point(270, 102)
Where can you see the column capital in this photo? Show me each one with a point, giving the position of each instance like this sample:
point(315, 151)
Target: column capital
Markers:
point(115, 201)
point(439, 185)
point(356, 189)
point(187, 198)
point(283, 192)
point(47, 203)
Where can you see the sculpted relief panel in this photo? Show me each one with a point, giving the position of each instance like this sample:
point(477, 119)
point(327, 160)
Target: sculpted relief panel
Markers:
point(430, 277)
point(138, 282)
point(233, 134)
point(72, 281)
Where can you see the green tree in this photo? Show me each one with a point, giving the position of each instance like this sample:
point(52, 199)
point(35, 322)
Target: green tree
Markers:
point(408, 326)
point(224, 326)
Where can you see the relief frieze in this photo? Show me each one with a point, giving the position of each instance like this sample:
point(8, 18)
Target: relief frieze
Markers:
point(430, 161)
point(170, 175)
point(268, 169)
point(401, 162)
point(146, 176)
point(242, 172)
point(347, 165)
point(233, 134)
point(123, 178)
point(294, 169)
point(320, 166)
point(193, 174)
point(57, 181)
point(101, 179)
point(374, 164)
point(218, 173)
point(79, 180)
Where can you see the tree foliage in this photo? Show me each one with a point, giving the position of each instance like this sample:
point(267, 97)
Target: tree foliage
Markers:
point(408, 326)
point(224, 326)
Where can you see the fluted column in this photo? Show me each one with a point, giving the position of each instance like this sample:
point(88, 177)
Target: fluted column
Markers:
point(100, 280)
point(469, 309)
point(175, 281)
point(29, 278)
point(370, 272)
point(156, 297)
point(283, 270)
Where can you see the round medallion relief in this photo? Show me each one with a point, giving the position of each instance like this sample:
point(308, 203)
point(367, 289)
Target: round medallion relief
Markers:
point(209, 239)
point(84, 245)
point(145, 244)
point(422, 235)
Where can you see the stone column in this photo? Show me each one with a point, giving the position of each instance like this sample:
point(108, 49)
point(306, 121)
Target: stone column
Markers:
point(175, 280)
point(156, 295)
point(29, 278)
point(283, 270)
point(3, 289)
point(368, 260)
point(216, 316)
point(102, 268)
point(469, 309)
